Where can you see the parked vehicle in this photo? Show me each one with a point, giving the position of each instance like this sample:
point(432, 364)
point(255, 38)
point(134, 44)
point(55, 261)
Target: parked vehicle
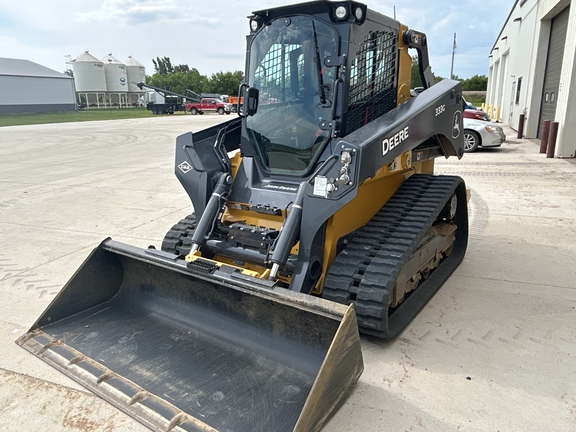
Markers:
point(481, 134)
point(476, 115)
point(171, 104)
point(473, 112)
point(233, 100)
point(208, 105)
point(169, 101)
point(469, 106)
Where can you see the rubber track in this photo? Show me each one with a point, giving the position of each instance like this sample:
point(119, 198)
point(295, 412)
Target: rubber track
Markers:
point(179, 239)
point(365, 271)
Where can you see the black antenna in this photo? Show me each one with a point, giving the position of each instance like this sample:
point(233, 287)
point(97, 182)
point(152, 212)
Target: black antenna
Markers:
point(453, 51)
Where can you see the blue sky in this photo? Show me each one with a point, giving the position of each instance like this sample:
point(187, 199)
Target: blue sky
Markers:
point(210, 35)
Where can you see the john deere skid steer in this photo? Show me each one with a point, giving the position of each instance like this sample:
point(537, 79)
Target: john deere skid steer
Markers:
point(317, 217)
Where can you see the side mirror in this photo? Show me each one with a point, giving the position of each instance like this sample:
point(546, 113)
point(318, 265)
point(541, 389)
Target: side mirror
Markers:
point(250, 95)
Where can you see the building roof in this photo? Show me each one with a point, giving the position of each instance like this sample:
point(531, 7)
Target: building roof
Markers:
point(86, 57)
point(504, 25)
point(133, 62)
point(111, 59)
point(19, 67)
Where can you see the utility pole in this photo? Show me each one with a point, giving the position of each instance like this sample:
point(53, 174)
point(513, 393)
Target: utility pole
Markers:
point(453, 50)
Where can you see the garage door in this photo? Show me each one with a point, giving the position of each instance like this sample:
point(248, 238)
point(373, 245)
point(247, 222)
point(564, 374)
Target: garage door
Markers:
point(553, 67)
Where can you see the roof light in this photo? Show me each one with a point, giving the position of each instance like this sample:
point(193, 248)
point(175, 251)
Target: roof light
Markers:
point(341, 12)
point(254, 24)
point(358, 13)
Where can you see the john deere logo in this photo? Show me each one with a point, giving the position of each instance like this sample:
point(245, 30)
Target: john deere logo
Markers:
point(456, 124)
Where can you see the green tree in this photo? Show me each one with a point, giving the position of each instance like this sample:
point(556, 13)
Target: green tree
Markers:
point(181, 78)
point(477, 83)
point(179, 82)
point(181, 68)
point(225, 83)
point(162, 66)
point(415, 80)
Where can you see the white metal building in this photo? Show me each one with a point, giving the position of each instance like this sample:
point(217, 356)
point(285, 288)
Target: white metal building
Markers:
point(532, 70)
point(27, 87)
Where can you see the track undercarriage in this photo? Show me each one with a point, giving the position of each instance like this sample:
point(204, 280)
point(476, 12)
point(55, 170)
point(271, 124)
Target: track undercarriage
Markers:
point(392, 266)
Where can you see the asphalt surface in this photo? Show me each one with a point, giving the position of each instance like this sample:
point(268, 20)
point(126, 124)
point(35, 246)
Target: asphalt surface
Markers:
point(494, 350)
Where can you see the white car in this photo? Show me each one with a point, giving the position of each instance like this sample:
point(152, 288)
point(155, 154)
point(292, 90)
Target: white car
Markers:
point(478, 133)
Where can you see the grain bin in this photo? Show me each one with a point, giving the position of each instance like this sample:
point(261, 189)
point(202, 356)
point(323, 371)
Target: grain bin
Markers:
point(136, 73)
point(116, 77)
point(89, 75)
point(116, 81)
point(90, 80)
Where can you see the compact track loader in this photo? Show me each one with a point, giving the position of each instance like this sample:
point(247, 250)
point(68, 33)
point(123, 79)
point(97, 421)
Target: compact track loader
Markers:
point(316, 216)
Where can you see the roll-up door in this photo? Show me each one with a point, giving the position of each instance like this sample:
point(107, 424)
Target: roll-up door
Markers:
point(553, 67)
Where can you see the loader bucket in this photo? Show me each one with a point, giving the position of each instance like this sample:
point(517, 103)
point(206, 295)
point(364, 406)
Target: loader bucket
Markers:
point(182, 350)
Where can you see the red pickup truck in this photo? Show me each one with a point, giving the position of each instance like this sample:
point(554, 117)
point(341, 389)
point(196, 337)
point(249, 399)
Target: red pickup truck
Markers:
point(209, 104)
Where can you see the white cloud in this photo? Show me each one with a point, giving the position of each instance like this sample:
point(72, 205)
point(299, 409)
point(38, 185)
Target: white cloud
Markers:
point(210, 36)
point(129, 11)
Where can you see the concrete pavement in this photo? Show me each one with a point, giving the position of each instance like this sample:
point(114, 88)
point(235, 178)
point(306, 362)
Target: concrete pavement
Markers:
point(495, 349)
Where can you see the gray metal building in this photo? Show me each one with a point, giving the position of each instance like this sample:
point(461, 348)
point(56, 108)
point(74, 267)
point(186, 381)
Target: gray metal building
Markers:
point(27, 87)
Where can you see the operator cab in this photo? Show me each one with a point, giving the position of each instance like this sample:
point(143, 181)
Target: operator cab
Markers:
point(320, 70)
point(296, 92)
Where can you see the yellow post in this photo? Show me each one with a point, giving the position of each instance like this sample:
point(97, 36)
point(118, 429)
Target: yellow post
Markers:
point(497, 113)
point(490, 110)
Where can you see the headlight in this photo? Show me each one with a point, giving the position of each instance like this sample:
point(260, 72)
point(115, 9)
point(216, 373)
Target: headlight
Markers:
point(254, 25)
point(493, 129)
point(341, 12)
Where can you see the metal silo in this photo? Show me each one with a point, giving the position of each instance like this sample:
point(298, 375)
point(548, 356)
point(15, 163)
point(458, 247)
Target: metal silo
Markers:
point(116, 78)
point(136, 73)
point(116, 81)
point(90, 80)
point(89, 75)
